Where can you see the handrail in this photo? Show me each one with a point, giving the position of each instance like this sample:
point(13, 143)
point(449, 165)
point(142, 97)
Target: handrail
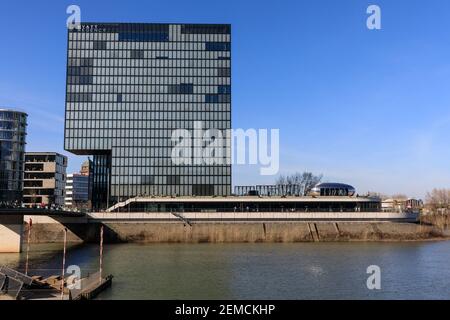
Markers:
point(181, 217)
point(121, 204)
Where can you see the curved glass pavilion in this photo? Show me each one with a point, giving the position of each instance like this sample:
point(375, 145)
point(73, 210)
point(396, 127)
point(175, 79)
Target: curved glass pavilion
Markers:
point(332, 189)
point(12, 155)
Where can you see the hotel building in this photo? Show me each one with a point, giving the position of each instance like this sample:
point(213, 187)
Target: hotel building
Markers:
point(129, 86)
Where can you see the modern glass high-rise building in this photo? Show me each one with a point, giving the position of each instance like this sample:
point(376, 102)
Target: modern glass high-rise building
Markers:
point(13, 126)
point(129, 86)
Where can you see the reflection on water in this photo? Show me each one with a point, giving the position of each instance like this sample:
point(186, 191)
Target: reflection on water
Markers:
point(256, 271)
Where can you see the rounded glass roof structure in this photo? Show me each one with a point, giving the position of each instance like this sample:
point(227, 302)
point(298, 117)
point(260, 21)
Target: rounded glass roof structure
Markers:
point(332, 189)
point(333, 185)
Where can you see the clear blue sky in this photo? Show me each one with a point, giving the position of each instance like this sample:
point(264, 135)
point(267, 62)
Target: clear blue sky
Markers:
point(370, 108)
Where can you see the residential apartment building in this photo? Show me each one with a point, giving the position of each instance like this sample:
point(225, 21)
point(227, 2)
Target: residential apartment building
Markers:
point(45, 179)
point(13, 132)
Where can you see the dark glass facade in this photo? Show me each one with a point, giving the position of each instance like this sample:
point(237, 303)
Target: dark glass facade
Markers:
point(129, 86)
point(256, 205)
point(80, 186)
point(12, 153)
point(77, 191)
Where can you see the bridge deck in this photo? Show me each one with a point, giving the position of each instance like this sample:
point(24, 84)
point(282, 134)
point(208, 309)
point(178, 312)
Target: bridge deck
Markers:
point(40, 212)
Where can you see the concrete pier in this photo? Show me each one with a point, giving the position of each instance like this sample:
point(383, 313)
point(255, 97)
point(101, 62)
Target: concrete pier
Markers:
point(12, 222)
point(11, 230)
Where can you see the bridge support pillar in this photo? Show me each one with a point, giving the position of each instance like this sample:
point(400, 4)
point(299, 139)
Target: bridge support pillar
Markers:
point(11, 229)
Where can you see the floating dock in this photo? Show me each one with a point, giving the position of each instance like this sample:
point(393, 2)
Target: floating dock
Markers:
point(15, 285)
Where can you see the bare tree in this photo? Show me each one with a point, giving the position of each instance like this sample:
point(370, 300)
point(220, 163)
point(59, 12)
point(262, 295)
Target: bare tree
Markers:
point(306, 181)
point(438, 199)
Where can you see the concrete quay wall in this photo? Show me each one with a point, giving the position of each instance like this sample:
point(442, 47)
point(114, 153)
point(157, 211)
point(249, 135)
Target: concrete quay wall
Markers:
point(45, 230)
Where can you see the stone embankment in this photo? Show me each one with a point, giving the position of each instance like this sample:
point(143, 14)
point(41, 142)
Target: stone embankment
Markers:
point(252, 232)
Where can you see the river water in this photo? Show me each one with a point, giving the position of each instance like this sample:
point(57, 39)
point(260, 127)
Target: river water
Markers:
point(410, 270)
